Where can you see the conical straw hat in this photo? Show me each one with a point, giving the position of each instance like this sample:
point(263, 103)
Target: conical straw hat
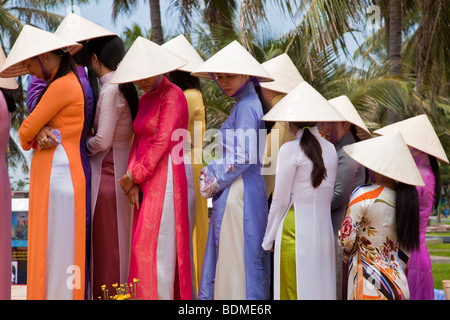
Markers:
point(6, 83)
point(146, 59)
point(285, 73)
point(387, 155)
point(232, 59)
point(303, 104)
point(418, 133)
point(182, 47)
point(32, 42)
point(76, 28)
point(348, 111)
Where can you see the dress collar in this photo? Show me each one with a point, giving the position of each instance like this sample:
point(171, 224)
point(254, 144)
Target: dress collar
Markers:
point(106, 77)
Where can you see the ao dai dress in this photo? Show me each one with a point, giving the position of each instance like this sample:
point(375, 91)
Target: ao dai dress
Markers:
point(235, 266)
point(300, 224)
point(57, 208)
point(160, 253)
point(5, 204)
point(198, 207)
point(109, 150)
point(420, 276)
point(370, 247)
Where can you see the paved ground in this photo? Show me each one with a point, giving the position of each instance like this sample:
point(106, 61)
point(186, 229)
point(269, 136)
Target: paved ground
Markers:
point(19, 292)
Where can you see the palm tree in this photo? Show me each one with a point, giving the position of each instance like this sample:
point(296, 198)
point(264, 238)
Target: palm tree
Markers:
point(127, 6)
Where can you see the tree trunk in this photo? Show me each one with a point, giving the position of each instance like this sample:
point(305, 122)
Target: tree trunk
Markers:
point(155, 18)
point(394, 46)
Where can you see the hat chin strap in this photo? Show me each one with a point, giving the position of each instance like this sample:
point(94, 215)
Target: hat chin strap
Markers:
point(44, 71)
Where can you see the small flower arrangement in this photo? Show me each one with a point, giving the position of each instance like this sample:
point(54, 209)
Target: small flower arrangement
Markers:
point(128, 291)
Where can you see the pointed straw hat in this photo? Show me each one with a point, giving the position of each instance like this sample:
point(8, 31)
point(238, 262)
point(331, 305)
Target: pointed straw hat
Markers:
point(182, 47)
point(146, 59)
point(418, 133)
point(32, 42)
point(387, 155)
point(348, 111)
point(6, 83)
point(304, 104)
point(232, 59)
point(76, 28)
point(285, 73)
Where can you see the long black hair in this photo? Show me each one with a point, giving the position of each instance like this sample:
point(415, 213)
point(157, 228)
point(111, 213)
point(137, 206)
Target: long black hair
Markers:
point(185, 81)
point(265, 106)
point(311, 146)
point(82, 58)
point(110, 51)
point(407, 216)
point(437, 180)
point(10, 98)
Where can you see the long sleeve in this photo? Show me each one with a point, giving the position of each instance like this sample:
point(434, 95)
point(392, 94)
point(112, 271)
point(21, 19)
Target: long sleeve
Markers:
point(281, 195)
point(34, 90)
point(350, 226)
point(142, 165)
point(345, 177)
point(58, 95)
point(238, 155)
point(111, 105)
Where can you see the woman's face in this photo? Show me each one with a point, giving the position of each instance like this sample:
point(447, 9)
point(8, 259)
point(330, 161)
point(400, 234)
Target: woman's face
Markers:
point(230, 83)
point(34, 68)
point(149, 84)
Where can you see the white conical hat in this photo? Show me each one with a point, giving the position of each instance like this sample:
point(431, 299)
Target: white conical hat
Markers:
point(182, 47)
point(418, 133)
point(146, 59)
point(348, 111)
point(285, 73)
point(387, 155)
point(232, 59)
point(6, 83)
point(32, 42)
point(303, 104)
point(76, 28)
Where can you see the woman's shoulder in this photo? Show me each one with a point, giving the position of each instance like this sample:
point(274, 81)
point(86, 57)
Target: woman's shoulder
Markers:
point(66, 85)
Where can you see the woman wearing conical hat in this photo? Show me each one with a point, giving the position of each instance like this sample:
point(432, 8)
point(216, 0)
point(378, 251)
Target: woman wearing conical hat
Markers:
point(160, 245)
point(287, 77)
point(109, 149)
point(350, 174)
point(7, 106)
point(57, 209)
point(382, 220)
point(198, 207)
point(235, 266)
point(426, 150)
point(77, 29)
point(299, 228)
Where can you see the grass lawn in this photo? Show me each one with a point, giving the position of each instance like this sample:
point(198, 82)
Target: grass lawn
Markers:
point(441, 271)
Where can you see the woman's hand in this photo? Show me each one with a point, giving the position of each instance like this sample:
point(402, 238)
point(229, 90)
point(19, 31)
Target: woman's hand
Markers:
point(133, 195)
point(126, 182)
point(43, 136)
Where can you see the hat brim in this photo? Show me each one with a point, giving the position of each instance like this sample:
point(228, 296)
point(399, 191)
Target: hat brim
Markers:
point(349, 112)
point(33, 42)
point(146, 59)
point(183, 48)
point(284, 72)
point(77, 29)
point(387, 155)
point(418, 133)
point(303, 104)
point(232, 59)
